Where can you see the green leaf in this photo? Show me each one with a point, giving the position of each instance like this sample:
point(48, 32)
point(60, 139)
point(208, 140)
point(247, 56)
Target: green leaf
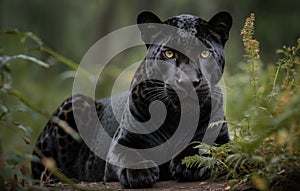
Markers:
point(3, 108)
point(203, 170)
point(258, 158)
point(5, 59)
point(27, 130)
point(14, 159)
point(23, 99)
point(23, 36)
point(216, 123)
point(33, 158)
point(279, 51)
point(65, 61)
point(33, 37)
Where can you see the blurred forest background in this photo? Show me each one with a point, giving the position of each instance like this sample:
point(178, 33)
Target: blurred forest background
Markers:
point(71, 27)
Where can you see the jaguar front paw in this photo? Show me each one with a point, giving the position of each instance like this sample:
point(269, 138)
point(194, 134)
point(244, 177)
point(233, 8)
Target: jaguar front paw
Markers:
point(138, 178)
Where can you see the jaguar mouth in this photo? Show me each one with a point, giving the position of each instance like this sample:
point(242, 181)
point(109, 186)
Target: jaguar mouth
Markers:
point(203, 89)
point(188, 94)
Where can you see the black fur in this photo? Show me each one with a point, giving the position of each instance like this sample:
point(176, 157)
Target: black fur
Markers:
point(78, 162)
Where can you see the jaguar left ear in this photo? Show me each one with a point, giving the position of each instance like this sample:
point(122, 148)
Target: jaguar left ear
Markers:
point(221, 24)
point(147, 17)
point(147, 21)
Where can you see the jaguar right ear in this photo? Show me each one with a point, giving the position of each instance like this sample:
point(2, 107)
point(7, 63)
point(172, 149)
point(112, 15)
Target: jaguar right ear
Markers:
point(147, 21)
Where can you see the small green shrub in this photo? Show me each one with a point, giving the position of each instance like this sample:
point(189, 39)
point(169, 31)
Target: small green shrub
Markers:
point(15, 173)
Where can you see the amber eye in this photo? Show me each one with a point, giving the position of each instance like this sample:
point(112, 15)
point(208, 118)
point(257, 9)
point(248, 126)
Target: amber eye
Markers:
point(169, 54)
point(205, 54)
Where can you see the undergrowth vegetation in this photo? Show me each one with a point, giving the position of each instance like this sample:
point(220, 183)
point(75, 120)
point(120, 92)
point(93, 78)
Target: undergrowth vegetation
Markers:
point(263, 107)
point(264, 119)
point(17, 109)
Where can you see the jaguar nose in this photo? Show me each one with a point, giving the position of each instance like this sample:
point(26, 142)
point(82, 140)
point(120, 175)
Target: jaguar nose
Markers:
point(186, 89)
point(196, 82)
point(185, 84)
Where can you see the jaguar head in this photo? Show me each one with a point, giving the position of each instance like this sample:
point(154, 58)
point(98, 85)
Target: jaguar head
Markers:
point(184, 53)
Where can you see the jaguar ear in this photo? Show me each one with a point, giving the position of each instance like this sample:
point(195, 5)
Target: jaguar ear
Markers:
point(147, 17)
point(147, 21)
point(221, 24)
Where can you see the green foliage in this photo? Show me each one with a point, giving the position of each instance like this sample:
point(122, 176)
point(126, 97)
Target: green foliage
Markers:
point(14, 165)
point(209, 157)
point(265, 150)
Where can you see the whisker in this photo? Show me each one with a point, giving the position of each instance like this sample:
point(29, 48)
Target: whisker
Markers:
point(153, 91)
point(156, 97)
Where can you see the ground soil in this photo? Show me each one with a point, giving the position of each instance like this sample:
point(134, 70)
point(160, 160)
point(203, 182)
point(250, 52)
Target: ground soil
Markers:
point(159, 186)
point(208, 185)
